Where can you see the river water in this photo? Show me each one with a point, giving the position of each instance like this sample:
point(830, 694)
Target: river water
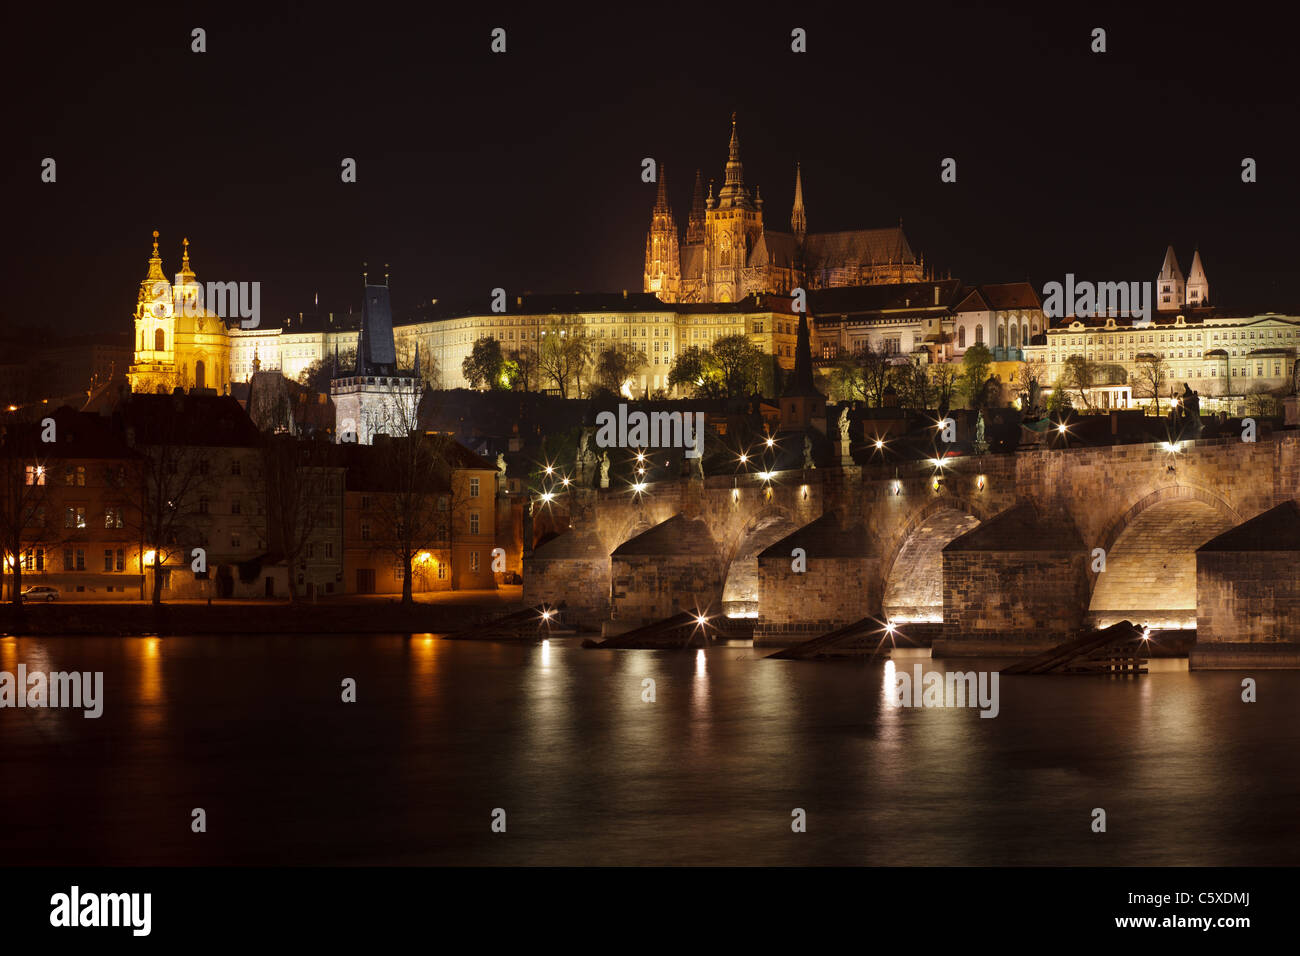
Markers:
point(443, 733)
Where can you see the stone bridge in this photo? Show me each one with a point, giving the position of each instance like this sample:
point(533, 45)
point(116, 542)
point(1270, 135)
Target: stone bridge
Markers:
point(999, 551)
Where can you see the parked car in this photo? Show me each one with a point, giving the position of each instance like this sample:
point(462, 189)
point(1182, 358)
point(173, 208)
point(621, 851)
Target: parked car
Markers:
point(40, 592)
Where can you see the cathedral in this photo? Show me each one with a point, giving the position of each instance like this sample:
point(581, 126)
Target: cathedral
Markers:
point(727, 253)
point(178, 342)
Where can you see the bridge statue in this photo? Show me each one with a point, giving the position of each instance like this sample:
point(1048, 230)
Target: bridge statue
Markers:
point(844, 424)
point(807, 452)
point(501, 465)
point(584, 457)
point(979, 429)
point(604, 469)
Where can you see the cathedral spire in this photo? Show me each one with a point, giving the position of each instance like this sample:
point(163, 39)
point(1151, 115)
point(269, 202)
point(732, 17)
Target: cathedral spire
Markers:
point(733, 185)
point(661, 198)
point(798, 219)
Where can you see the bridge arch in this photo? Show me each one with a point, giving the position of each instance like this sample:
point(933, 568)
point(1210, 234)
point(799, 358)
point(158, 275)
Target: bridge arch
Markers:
point(740, 590)
point(1150, 552)
point(912, 571)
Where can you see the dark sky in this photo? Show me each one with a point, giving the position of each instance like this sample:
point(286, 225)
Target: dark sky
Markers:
point(523, 170)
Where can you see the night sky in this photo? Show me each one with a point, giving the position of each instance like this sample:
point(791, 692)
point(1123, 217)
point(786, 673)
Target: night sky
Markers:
point(522, 170)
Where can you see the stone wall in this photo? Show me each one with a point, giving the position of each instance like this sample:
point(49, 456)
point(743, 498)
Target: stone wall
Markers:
point(1011, 600)
point(649, 588)
point(1247, 597)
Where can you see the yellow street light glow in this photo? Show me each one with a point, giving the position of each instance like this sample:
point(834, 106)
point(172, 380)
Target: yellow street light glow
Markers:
point(1061, 429)
point(550, 470)
point(766, 475)
point(149, 556)
point(546, 615)
point(565, 482)
point(701, 620)
point(879, 444)
point(744, 458)
point(425, 557)
point(771, 442)
point(639, 487)
point(548, 496)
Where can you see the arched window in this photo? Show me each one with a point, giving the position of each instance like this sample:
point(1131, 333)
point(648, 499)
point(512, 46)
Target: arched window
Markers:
point(961, 336)
point(979, 335)
point(725, 258)
point(159, 341)
point(199, 375)
point(1002, 336)
point(1015, 336)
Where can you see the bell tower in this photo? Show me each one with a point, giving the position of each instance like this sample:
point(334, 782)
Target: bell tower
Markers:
point(733, 224)
point(154, 365)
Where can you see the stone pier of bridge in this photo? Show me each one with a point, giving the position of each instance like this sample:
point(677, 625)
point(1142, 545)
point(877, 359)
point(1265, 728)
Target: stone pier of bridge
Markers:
point(990, 553)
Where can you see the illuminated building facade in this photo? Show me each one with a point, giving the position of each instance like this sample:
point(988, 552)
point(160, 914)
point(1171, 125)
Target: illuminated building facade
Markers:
point(728, 253)
point(178, 342)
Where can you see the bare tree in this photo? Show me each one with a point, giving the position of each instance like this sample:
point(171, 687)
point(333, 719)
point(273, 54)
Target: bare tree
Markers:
point(170, 497)
point(1081, 374)
point(864, 374)
point(24, 499)
point(415, 505)
point(618, 362)
point(297, 476)
point(564, 354)
point(943, 377)
point(1149, 376)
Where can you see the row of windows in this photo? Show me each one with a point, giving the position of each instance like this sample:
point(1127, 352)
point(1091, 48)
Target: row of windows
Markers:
point(1163, 337)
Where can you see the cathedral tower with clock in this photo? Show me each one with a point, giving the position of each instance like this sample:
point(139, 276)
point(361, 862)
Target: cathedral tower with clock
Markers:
point(178, 341)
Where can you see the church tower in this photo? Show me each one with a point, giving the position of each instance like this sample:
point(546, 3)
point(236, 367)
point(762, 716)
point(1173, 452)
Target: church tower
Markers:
point(1169, 284)
point(154, 365)
point(733, 224)
point(663, 275)
point(1198, 286)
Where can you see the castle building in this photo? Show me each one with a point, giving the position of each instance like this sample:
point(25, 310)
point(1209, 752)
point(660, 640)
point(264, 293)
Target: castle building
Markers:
point(728, 253)
point(178, 342)
point(1225, 356)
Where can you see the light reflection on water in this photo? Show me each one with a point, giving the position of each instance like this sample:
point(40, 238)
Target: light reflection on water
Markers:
point(589, 771)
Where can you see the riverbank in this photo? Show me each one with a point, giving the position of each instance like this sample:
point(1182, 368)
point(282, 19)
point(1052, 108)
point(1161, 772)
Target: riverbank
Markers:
point(442, 612)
